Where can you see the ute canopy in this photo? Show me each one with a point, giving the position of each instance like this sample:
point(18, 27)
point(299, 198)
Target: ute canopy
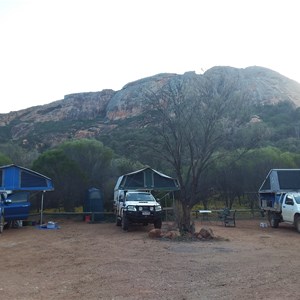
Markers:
point(281, 180)
point(147, 179)
point(17, 178)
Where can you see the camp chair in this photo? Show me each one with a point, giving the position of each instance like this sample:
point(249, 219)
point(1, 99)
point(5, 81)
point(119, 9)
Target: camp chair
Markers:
point(227, 217)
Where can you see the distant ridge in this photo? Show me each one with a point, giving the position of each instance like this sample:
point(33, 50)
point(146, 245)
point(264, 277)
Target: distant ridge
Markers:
point(94, 113)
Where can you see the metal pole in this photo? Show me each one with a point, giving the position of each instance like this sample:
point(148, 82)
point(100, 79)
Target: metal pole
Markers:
point(42, 208)
point(166, 211)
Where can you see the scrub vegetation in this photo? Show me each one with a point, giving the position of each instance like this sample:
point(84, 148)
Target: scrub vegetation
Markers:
point(219, 148)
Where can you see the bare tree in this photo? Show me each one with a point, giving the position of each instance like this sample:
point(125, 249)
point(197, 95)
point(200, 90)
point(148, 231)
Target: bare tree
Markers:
point(194, 126)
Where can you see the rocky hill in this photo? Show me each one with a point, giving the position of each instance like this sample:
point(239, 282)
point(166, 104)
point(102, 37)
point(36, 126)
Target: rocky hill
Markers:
point(95, 113)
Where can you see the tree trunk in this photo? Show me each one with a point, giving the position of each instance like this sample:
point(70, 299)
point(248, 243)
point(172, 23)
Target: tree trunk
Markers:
point(185, 218)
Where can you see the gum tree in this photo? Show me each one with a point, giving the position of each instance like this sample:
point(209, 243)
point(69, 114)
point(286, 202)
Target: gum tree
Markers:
point(191, 128)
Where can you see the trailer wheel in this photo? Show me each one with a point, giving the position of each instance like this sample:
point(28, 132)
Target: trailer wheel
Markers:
point(297, 224)
point(274, 222)
point(125, 223)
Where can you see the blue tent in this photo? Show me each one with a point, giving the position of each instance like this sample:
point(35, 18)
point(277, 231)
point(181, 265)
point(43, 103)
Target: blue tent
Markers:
point(16, 178)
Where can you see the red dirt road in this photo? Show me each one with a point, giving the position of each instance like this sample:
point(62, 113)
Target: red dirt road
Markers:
point(99, 261)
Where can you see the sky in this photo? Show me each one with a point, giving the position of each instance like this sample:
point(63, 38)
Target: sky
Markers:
point(51, 48)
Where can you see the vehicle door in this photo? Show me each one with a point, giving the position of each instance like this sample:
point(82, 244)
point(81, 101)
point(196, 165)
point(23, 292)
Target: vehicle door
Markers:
point(16, 206)
point(288, 208)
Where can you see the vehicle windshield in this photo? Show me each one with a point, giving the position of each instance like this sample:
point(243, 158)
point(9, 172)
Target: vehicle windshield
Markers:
point(297, 199)
point(140, 197)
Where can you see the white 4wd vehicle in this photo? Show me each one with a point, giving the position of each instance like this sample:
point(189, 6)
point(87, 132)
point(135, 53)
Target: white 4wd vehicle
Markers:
point(137, 207)
point(286, 208)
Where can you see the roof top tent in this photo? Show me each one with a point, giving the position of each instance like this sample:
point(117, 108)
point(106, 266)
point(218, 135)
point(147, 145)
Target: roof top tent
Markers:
point(16, 178)
point(147, 179)
point(281, 181)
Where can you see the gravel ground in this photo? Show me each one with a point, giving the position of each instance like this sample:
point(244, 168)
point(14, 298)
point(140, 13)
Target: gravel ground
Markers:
point(100, 261)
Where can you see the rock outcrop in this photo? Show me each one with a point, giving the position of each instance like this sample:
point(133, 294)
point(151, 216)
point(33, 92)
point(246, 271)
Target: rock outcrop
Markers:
point(92, 114)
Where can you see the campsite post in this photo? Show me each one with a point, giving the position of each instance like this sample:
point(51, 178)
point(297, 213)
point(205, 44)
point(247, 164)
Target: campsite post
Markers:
point(42, 207)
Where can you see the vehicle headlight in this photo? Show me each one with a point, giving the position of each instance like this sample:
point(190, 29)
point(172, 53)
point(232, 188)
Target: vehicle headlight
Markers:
point(131, 208)
point(151, 208)
point(158, 208)
point(140, 208)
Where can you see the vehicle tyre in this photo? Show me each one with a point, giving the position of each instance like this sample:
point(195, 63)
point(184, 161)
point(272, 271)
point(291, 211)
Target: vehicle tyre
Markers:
point(297, 224)
point(118, 221)
point(274, 222)
point(125, 223)
point(157, 224)
point(1, 223)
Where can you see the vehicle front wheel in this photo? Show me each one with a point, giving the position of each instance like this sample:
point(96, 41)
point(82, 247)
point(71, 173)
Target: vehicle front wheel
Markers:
point(125, 223)
point(297, 224)
point(118, 221)
point(1, 223)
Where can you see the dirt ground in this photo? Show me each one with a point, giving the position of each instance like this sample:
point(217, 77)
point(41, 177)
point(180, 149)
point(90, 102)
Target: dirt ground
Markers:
point(100, 261)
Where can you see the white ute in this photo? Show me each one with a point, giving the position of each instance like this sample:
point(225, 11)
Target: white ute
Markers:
point(286, 209)
point(279, 197)
point(136, 207)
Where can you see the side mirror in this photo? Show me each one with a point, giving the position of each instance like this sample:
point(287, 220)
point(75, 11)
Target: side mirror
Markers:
point(3, 196)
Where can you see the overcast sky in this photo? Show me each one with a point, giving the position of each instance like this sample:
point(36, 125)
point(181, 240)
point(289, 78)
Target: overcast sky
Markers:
point(51, 48)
